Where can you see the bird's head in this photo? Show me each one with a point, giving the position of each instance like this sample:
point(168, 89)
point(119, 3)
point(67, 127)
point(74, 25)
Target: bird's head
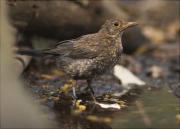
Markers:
point(115, 27)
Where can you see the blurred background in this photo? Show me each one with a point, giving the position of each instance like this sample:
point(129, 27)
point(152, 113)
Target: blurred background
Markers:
point(151, 52)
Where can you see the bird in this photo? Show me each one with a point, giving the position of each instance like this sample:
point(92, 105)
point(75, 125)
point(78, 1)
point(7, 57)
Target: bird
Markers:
point(90, 55)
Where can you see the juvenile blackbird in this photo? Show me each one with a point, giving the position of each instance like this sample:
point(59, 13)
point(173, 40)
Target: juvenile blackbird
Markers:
point(90, 55)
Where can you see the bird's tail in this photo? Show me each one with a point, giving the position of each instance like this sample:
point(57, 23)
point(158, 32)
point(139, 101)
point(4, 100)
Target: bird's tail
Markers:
point(30, 52)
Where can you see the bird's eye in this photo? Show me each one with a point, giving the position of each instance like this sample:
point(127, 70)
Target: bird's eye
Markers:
point(116, 23)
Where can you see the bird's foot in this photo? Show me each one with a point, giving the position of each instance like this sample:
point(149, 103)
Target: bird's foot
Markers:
point(94, 98)
point(74, 102)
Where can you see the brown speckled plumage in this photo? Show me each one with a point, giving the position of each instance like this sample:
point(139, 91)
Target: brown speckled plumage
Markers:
point(99, 60)
point(91, 55)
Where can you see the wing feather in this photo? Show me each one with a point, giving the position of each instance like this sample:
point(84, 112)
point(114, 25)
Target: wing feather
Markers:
point(75, 49)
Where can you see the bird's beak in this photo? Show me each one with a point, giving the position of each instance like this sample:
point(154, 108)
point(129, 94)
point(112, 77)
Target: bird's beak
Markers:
point(130, 24)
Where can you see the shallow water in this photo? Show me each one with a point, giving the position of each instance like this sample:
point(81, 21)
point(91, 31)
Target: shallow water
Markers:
point(161, 108)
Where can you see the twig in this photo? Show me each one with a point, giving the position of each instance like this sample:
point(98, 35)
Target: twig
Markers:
point(143, 114)
point(21, 62)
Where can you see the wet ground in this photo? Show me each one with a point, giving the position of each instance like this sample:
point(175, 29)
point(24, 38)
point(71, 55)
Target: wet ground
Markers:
point(155, 105)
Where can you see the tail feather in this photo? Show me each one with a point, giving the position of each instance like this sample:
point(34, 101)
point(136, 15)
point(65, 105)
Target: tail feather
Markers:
point(30, 52)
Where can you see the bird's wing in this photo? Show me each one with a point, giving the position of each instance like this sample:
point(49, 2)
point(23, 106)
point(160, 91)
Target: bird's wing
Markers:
point(76, 48)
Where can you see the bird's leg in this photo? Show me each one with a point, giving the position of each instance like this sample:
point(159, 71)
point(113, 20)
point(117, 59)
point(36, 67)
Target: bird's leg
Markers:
point(74, 83)
point(89, 82)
